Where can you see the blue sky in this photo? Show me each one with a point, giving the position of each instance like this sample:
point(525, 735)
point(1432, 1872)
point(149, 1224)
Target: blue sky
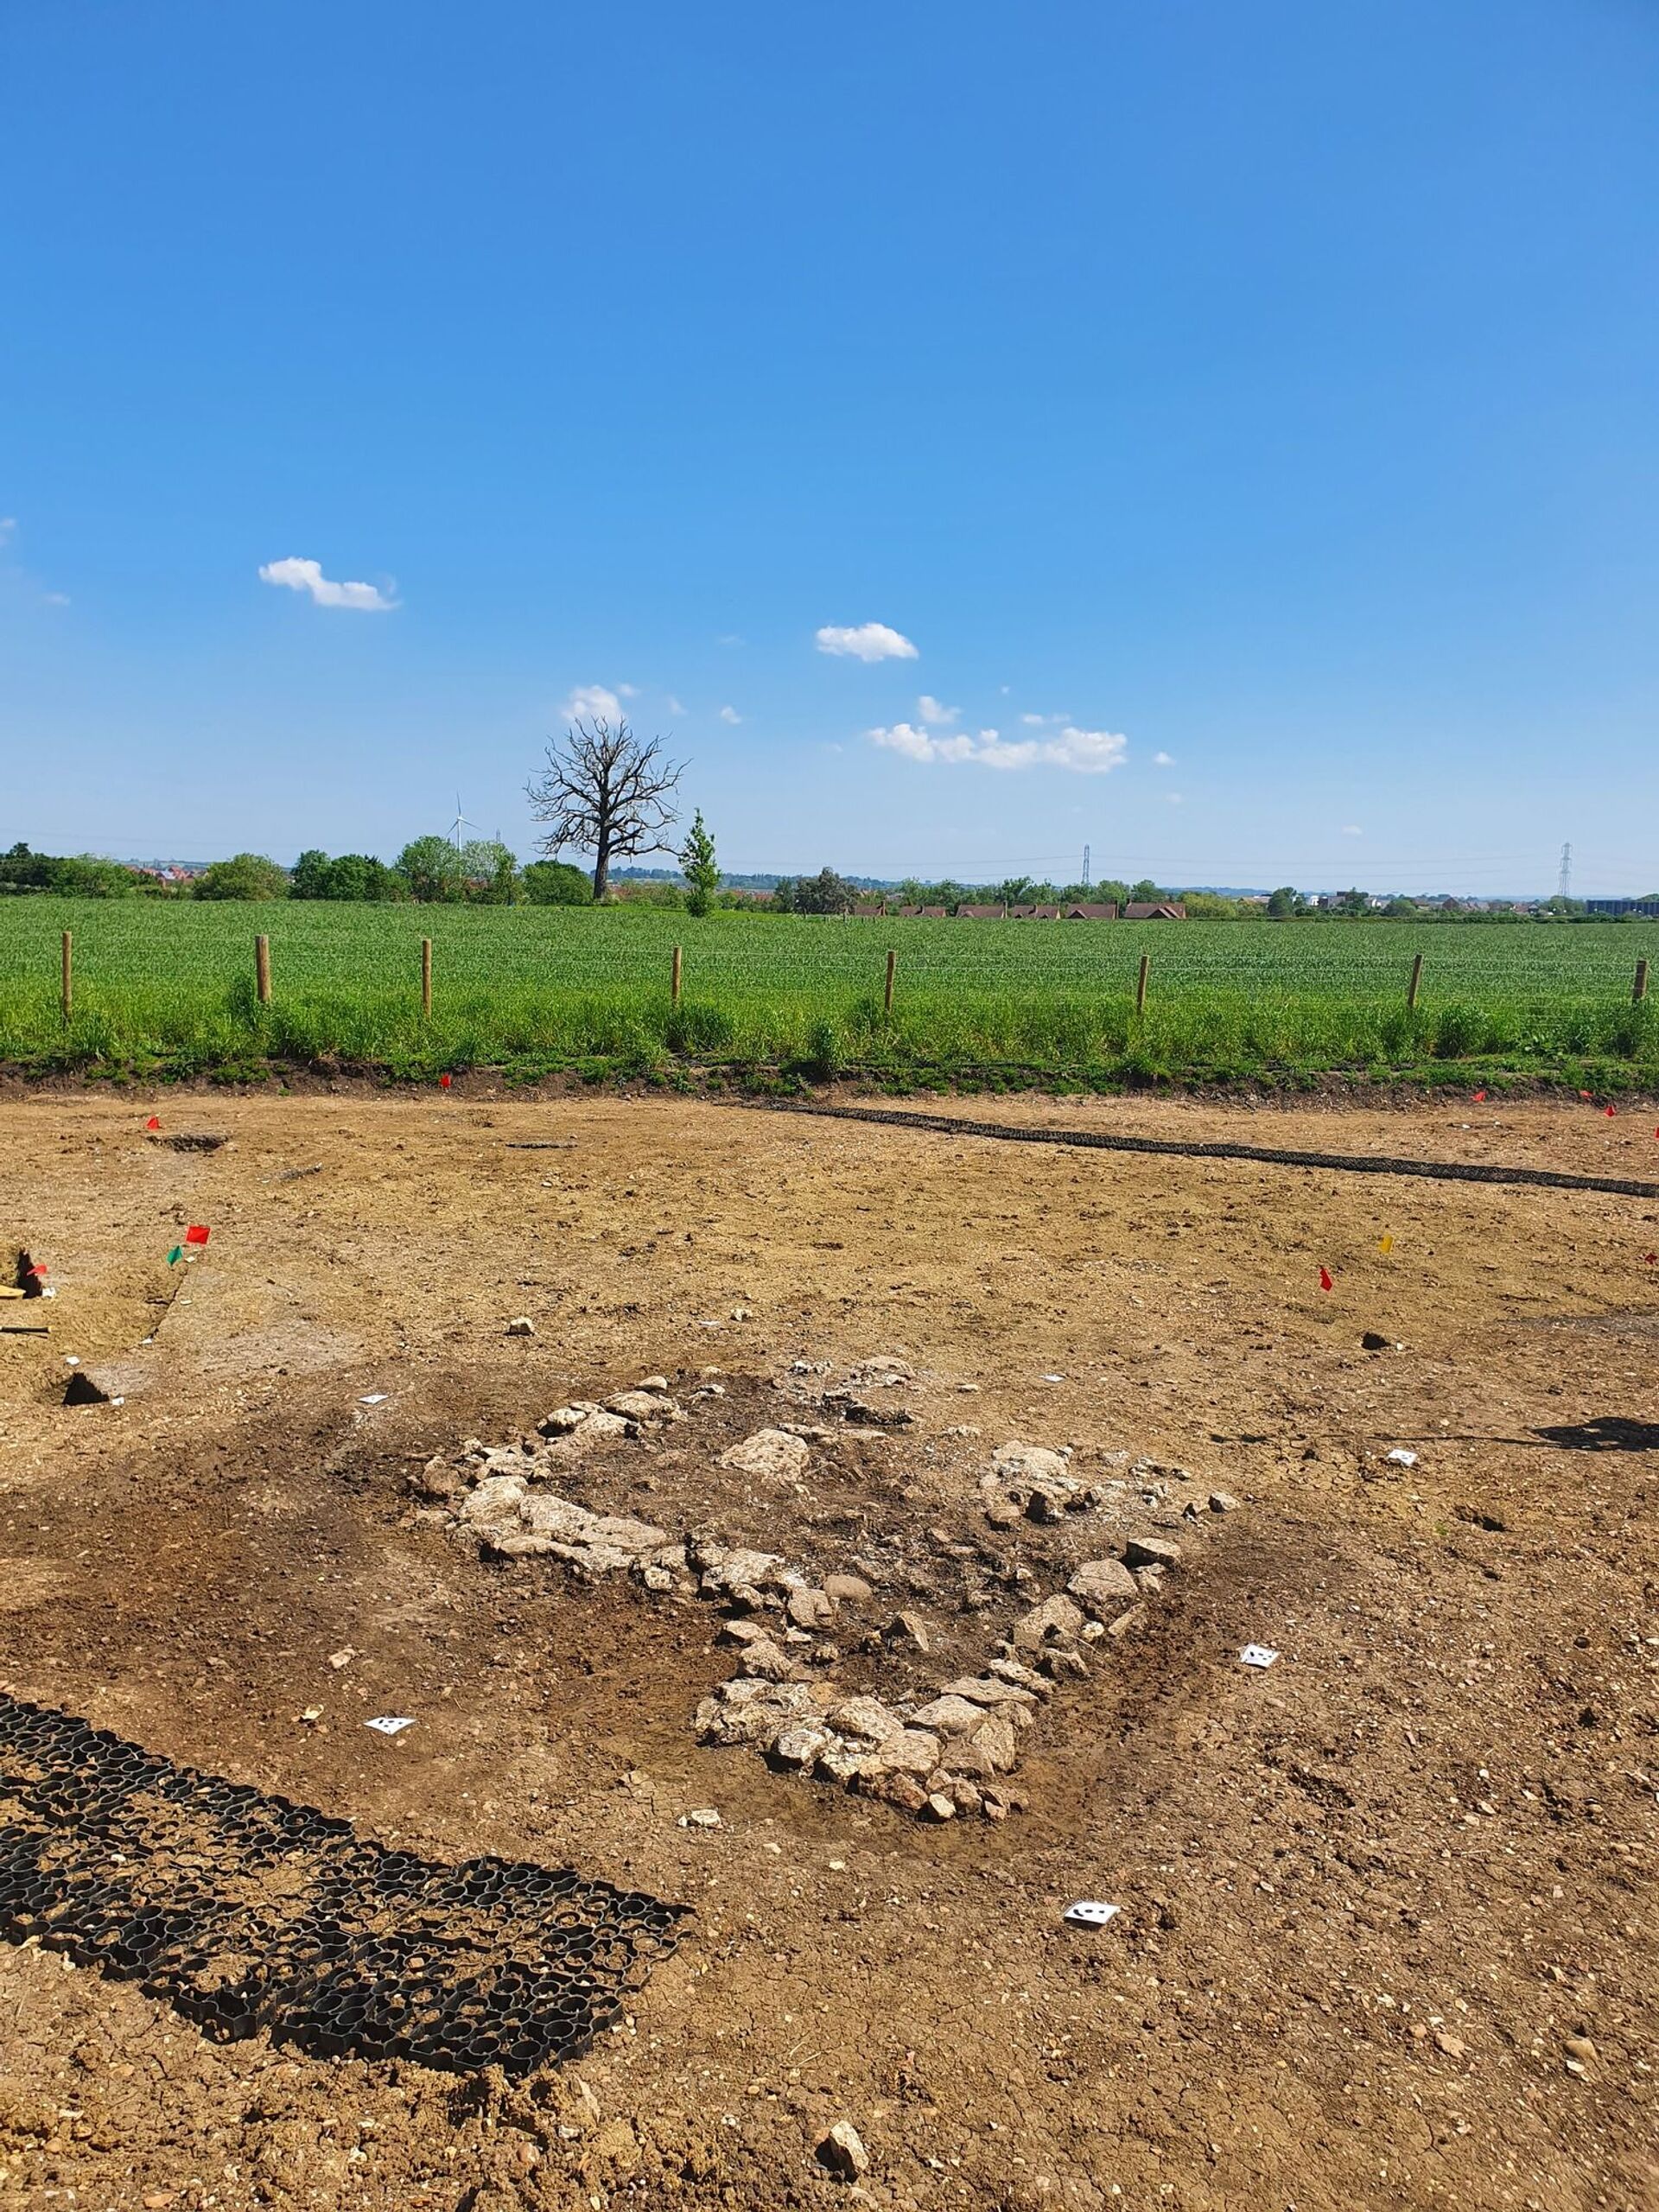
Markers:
point(1246, 411)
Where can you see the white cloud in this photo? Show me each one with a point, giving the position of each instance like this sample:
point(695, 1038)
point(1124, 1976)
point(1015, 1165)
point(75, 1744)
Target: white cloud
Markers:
point(307, 575)
point(55, 598)
point(1163, 760)
point(8, 525)
point(675, 705)
point(1174, 798)
point(1086, 752)
point(730, 714)
point(869, 641)
point(629, 690)
point(1352, 829)
point(934, 713)
point(591, 700)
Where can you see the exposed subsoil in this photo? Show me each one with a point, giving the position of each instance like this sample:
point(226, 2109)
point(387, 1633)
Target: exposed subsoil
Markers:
point(1386, 1934)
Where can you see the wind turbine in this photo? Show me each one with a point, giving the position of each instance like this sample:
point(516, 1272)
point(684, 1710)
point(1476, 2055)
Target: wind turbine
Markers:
point(460, 824)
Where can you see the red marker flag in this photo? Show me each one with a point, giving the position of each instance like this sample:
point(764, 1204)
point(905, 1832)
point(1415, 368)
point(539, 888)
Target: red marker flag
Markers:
point(1612, 1110)
point(1480, 1097)
point(196, 1234)
point(154, 1122)
point(1583, 1094)
point(1324, 1279)
point(443, 1082)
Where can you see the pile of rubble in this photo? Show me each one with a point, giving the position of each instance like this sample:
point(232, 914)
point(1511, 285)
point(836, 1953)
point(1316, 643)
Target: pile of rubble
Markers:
point(935, 1755)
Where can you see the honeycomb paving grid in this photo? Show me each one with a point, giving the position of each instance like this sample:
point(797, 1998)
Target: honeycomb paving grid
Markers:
point(248, 1913)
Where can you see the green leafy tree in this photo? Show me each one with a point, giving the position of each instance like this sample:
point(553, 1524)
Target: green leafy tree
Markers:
point(361, 876)
point(432, 869)
point(1286, 902)
point(556, 883)
point(311, 875)
point(88, 875)
point(1145, 892)
point(489, 873)
point(826, 893)
point(23, 870)
point(245, 875)
point(701, 869)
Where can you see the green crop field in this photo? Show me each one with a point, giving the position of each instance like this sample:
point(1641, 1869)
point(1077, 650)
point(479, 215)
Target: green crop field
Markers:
point(168, 989)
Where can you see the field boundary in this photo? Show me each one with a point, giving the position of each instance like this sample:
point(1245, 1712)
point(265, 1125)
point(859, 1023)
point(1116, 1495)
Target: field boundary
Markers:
point(1442, 1170)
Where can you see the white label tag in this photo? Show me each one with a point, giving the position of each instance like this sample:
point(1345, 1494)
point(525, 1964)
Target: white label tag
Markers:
point(1090, 1912)
point(1258, 1655)
point(389, 1724)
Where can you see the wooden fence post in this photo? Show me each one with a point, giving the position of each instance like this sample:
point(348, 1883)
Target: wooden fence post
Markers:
point(677, 975)
point(1639, 990)
point(1141, 983)
point(1415, 984)
point(261, 968)
point(426, 979)
point(69, 983)
point(892, 962)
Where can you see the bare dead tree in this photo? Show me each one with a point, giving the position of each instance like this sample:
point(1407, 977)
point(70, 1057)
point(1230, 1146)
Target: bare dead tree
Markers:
point(606, 792)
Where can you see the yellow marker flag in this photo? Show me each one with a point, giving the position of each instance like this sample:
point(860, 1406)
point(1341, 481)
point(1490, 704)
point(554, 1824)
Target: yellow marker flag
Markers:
point(1386, 1245)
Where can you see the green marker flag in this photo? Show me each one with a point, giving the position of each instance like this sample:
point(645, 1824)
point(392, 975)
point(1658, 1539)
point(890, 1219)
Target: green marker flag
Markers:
point(177, 1253)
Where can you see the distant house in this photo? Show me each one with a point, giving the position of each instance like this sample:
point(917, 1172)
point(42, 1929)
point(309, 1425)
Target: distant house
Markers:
point(1096, 911)
point(907, 914)
point(930, 913)
point(1161, 910)
point(1034, 913)
point(869, 910)
point(172, 873)
point(981, 913)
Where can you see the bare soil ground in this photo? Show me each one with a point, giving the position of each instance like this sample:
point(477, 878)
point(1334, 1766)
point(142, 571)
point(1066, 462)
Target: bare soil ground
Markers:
point(1386, 1933)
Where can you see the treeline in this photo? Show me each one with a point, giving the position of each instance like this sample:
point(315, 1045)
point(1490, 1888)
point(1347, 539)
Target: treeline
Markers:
point(83, 876)
point(430, 870)
point(434, 870)
point(829, 892)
